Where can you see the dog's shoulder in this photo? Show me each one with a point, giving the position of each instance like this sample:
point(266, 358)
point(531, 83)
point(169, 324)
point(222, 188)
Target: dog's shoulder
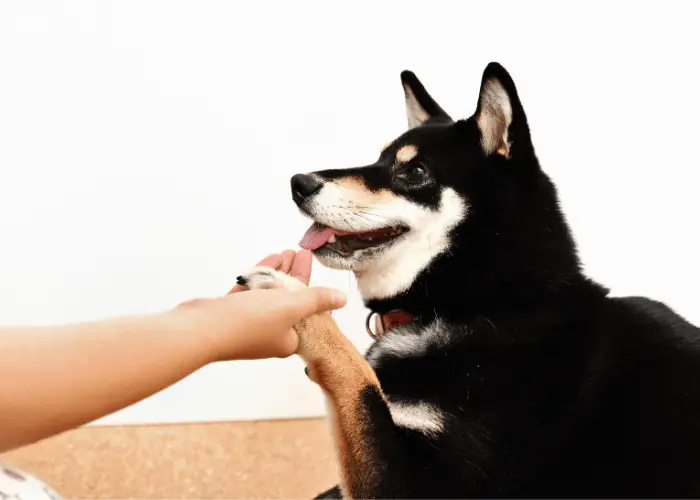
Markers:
point(652, 355)
point(653, 394)
point(649, 329)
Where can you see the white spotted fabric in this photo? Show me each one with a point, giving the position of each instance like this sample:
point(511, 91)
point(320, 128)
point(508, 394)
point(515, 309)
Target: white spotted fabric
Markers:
point(18, 485)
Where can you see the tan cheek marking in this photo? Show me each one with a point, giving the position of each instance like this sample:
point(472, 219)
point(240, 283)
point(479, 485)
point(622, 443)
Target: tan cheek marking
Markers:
point(357, 192)
point(406, 153)
point(350, 183)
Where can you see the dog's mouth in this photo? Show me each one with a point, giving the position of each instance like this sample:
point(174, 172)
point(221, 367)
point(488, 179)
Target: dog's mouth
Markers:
point(346, 242)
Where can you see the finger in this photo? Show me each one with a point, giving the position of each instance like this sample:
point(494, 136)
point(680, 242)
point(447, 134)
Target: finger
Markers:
point(273, 260)
point(314, 300)
point(287, 260)
point(301, 268)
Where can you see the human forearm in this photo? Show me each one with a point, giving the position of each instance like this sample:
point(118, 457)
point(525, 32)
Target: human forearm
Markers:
point(59, 377)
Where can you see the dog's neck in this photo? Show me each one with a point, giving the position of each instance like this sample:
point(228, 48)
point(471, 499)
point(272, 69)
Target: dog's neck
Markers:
point(388, 280)
point(460, 287)
point(451, 275)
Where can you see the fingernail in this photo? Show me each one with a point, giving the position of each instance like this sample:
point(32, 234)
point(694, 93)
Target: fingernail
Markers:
point(338, 298)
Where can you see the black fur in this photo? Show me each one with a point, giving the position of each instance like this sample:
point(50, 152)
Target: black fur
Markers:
point(550, 387)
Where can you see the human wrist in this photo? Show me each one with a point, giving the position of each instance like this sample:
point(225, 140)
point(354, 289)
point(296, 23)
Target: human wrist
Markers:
point(188, 324)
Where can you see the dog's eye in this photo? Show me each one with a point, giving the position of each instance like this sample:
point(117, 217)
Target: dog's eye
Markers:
point(416, 173)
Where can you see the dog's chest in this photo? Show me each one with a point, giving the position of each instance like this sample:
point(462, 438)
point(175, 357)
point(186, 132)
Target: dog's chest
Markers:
point(408, 342)
point(437, 362)
point(413, 362)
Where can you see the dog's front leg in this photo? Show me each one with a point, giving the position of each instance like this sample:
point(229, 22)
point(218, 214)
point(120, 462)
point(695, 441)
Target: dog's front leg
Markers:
point(356, 403)
point(367, 440)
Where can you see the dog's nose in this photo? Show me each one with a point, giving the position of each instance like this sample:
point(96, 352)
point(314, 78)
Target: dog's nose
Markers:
point(303, 186)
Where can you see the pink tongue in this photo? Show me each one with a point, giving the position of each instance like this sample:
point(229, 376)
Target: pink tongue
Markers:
point(316, 237)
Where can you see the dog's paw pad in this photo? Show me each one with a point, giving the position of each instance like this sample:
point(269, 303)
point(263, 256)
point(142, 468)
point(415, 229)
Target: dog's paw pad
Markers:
point(261, 278)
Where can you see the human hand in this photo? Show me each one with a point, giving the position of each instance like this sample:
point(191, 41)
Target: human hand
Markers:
point(297, 264)
point(257, 324)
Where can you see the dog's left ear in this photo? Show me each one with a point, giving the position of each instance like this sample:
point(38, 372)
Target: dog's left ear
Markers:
point(499, 114)
point(420, 107)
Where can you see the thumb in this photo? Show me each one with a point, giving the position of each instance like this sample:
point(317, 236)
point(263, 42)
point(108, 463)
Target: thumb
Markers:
point(314, 300)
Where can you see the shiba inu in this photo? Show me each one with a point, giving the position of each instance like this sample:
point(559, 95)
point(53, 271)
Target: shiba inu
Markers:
point(499, 369)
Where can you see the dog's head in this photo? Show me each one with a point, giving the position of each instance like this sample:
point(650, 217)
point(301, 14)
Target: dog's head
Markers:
point(445, 197)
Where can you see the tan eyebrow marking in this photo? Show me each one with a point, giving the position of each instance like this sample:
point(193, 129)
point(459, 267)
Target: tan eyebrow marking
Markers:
point(406, 153)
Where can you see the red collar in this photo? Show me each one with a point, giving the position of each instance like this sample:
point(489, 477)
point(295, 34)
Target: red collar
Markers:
point(385, 322)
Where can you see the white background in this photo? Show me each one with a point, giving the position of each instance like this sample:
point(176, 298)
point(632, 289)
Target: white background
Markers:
point(146, 147)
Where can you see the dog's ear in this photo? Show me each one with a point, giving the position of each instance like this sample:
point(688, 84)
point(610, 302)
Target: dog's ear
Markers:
point(420, 107)
point(499, 114)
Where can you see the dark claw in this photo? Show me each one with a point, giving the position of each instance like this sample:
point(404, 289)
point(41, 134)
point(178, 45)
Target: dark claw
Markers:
point(242, 280)
point(306, 370)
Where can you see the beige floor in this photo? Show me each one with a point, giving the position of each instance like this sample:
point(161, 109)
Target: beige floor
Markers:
point(270, 459)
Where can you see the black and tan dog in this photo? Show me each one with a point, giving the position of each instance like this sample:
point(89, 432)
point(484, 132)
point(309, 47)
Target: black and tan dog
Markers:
point(499, 369)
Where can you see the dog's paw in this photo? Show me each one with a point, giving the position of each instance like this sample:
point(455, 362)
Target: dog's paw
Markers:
point(261, 277)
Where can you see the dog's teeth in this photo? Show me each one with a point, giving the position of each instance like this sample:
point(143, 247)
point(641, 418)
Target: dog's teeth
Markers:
point(331, 239)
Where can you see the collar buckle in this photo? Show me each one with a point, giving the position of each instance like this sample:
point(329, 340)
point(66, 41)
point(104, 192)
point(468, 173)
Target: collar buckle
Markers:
point(385, 322)
point(377, 324)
